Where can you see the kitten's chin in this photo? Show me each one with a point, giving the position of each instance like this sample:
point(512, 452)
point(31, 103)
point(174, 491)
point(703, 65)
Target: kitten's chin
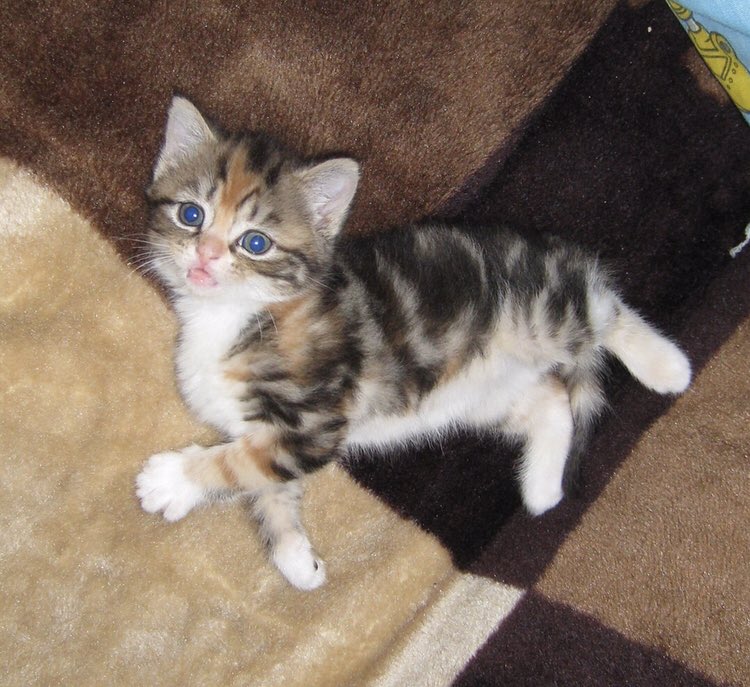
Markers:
point(201, 285)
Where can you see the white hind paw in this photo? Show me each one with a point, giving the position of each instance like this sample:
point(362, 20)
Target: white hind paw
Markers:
point(163, 486)
point(294, 558)
point(540, 496)
point(672, 374)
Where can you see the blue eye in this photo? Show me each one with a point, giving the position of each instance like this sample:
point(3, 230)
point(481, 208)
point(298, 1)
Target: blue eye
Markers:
point(190, 214)
point(254, 242)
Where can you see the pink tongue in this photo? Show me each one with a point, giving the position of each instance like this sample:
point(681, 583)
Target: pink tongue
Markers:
point(200, 277)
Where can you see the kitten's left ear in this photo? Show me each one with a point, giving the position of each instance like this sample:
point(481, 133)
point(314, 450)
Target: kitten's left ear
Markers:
point(329, 188)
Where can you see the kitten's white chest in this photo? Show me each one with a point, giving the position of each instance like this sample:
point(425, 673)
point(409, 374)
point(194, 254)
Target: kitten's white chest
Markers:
point(208, 333)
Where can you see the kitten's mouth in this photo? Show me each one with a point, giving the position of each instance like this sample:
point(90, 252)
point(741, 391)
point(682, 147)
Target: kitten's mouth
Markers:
point(201, 277)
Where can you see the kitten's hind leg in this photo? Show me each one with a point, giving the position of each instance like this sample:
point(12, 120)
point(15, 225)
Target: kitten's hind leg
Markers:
point(543, 419)
point(277, 510)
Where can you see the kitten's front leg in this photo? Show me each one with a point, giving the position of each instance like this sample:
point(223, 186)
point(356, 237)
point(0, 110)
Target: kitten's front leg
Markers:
point(163, 484)
point(176, 482)
point(277, 510)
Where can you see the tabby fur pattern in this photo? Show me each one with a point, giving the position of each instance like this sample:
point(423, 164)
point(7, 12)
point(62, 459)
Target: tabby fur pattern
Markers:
point(301, 344)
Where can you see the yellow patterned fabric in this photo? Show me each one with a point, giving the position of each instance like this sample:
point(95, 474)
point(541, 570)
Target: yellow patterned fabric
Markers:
point(724, 47)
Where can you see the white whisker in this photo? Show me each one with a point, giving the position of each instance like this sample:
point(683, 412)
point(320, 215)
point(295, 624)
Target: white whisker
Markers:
point(148, 264)
point(273, 321)
point(134, 239)
point(320, 283)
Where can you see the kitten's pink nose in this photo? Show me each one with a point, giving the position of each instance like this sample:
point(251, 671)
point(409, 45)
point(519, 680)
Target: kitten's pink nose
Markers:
point(210, 248)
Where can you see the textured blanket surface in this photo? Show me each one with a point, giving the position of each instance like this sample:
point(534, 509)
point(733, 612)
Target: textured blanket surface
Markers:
point(593, 120)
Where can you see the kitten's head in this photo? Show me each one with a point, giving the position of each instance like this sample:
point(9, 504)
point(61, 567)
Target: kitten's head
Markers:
point(240, 216)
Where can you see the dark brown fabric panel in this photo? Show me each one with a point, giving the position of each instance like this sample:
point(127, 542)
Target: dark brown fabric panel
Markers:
point(420, 92)
point(606, 163)
point(633, 160)
point(544, 644)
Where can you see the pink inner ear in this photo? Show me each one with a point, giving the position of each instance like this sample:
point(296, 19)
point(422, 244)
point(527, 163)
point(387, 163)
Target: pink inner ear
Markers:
point(330, 187)
point(186, 129)
point(336, 195)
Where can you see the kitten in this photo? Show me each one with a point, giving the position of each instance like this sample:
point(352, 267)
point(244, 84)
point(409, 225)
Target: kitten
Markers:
point(300, 344)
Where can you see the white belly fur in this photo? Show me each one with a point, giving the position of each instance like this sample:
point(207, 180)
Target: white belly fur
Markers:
point(479, 396)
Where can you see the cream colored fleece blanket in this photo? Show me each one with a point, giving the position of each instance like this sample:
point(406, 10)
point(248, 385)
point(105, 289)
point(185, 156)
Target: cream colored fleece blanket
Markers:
point(93, 590)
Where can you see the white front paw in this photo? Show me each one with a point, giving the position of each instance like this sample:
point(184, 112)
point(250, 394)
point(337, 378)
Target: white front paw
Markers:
point(163, 486)
point(294, 557)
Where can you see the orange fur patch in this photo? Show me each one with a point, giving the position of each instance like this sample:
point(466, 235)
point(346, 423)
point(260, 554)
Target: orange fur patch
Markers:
point(238, 186)
point(293, 320)
point(254, 454)
point(227, 473)
point(243, 464)
point(237, 373)
point(240, 182)
point(452, 367)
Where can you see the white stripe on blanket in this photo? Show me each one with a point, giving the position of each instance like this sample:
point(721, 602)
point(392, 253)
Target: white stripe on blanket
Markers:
point(449, 633)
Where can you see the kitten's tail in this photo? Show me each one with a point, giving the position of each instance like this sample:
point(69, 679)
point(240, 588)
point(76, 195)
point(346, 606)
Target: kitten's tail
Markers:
point(650, 357)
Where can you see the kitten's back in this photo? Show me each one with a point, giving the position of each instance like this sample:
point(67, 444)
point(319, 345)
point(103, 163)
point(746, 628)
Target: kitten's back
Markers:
point(439, 298)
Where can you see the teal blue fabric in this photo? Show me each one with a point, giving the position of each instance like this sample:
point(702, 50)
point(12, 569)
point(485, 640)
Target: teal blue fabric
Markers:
point(734, 14)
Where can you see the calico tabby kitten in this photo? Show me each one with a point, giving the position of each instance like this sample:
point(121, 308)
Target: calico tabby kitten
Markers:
point(300, 344)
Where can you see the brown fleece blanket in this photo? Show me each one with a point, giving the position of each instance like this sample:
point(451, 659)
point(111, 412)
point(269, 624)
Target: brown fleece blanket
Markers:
point(592, 120)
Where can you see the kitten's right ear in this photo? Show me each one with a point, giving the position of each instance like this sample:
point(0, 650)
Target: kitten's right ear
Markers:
point(186, 130)
point(329, 189)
